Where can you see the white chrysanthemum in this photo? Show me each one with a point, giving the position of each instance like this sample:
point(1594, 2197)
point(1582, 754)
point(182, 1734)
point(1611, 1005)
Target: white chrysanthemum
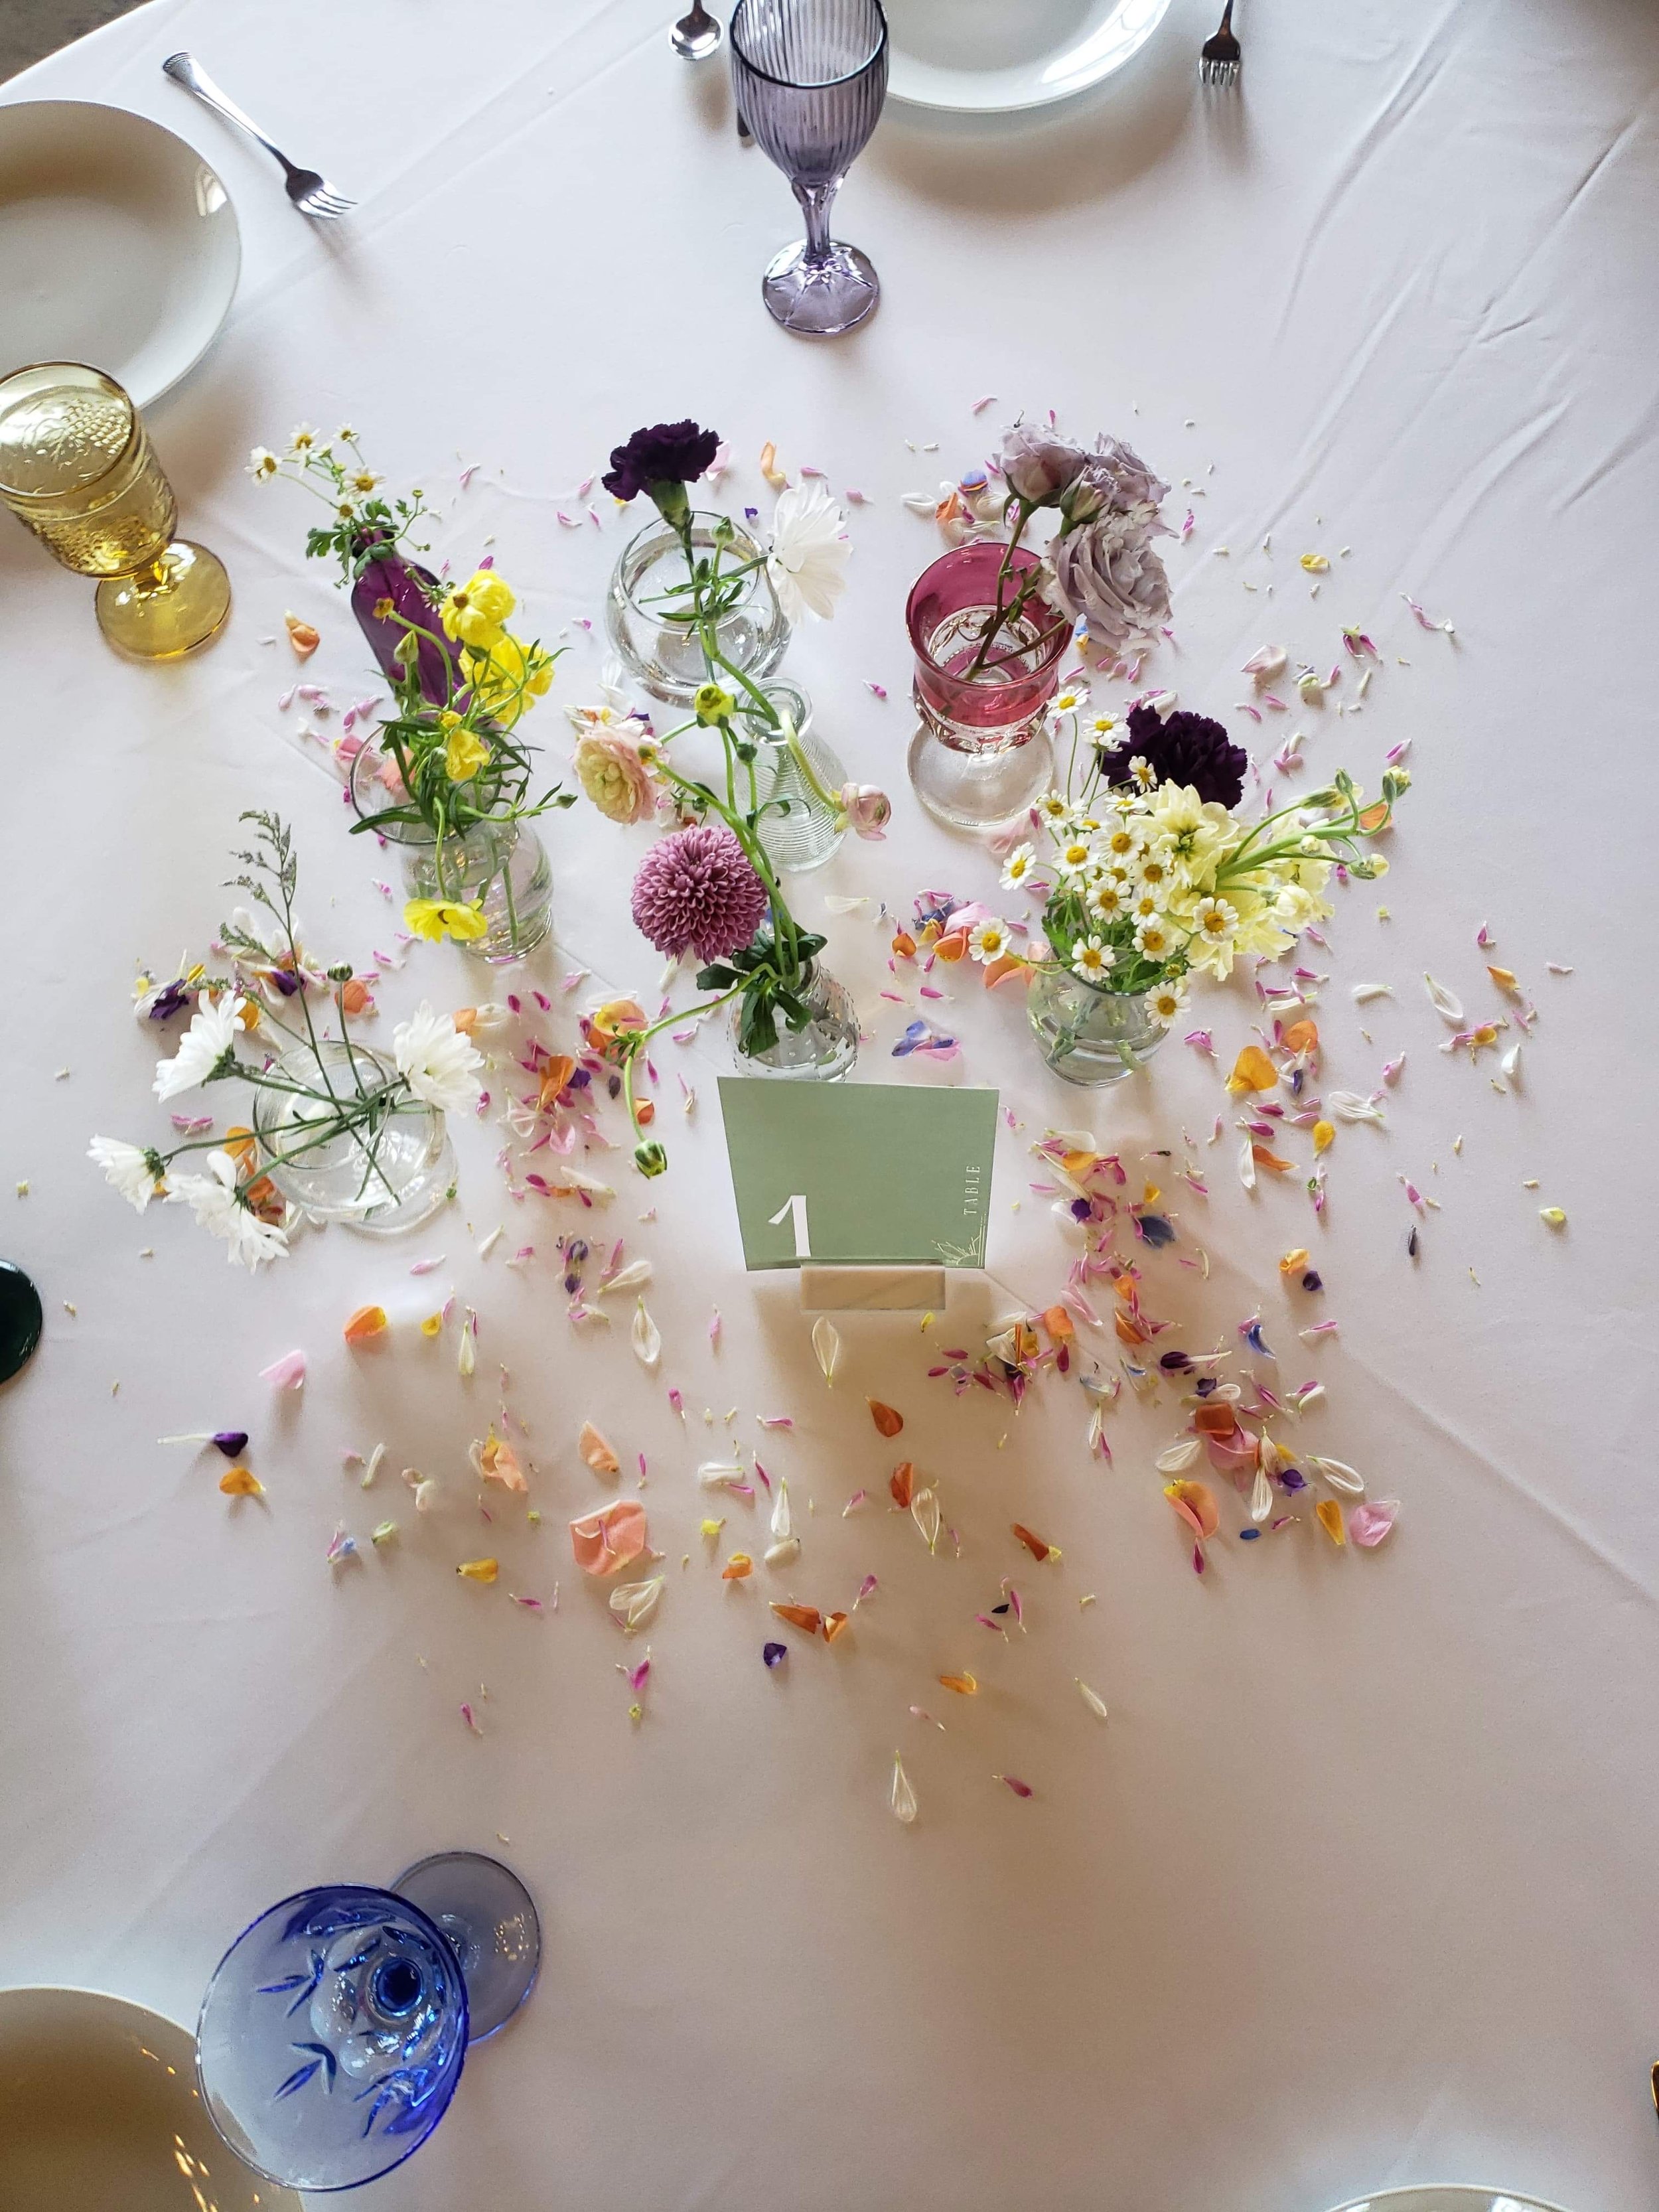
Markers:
point(1166, 1002)
point(1055, 809)
point(1142, 774)
point(1123, 842)
point(303, 440)
point(1156, 867)
point(132, 1172)
point(211, 1034)
point(1072, 699)
point(1106, 898)
point(989, 942)
point(1091, 956)
point(1144, 903)
point(214, 1200)
point(1075, 856)
point(438, 1064)
point(262, 464)
point(808, 559)
point(1019, 867)
point(1152, 939)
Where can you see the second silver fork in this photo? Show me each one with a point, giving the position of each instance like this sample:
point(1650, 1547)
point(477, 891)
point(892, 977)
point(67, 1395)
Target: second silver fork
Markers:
point(311, 193)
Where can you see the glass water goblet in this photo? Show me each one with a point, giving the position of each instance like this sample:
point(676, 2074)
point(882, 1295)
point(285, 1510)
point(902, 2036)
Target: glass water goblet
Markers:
point(335, 2028)
point(78, 468)
point(811, 76)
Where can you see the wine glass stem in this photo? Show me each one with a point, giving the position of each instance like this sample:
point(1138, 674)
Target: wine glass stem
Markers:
point(815, 204)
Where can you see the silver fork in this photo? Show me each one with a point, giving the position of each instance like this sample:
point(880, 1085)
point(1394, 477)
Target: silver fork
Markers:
point(312, 194)
point(1219, 57)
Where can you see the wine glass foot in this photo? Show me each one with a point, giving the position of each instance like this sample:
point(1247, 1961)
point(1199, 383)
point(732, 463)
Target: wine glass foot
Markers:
point(975, 791)
point(176, 607)
point(820, 298)
point(490, 1921)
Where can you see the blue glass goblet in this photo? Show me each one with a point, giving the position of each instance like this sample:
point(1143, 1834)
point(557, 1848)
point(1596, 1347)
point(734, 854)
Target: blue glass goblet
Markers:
point(335, 2028)
point(811, 76)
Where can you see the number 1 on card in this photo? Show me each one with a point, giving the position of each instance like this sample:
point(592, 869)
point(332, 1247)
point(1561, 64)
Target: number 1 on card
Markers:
point(796, 1207)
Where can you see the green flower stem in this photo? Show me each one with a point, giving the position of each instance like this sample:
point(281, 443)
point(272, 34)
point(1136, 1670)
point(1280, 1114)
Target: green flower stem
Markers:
point(1000, 615)
point(642, 1037)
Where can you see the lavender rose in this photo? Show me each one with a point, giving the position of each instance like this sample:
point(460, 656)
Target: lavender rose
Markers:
point(1107, 571)
point(1037, 468)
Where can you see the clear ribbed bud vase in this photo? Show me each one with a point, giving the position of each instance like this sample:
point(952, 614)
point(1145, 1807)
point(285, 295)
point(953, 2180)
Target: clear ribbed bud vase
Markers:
point(798, 783)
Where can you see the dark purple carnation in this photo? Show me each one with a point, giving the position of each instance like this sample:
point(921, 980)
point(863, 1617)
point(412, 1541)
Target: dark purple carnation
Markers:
point(1181, 748)
point(697, 891)
point(667, 453)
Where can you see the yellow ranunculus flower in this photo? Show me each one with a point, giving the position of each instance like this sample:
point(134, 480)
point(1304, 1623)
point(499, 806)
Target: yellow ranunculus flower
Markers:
point(475, 610)
point(437, 919)
point(464, 754)
point(508, 675)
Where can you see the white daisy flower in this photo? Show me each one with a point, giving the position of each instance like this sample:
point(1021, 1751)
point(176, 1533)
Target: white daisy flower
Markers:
point(1091, 959)
point(1075, 856)
point(1071, 700)
point(989, 942)
point(1121, 843)
point(209, 1039)
point(262, 464)
point(1055, 807)
point(135, 1173)
point(1142, 774)
point(437, 1062)
point(1104, 729)
point(1019, 867)
point(1214, 920)
point(1155, 866)
point(807, 561)
point(1105, 898)
point(1145, 904)
point(303, 440)
point(213, 1197)
point(1152, 939)
point(1166, 1002)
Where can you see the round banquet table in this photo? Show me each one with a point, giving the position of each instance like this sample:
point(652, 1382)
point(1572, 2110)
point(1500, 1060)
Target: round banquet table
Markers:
point(1352, 1889)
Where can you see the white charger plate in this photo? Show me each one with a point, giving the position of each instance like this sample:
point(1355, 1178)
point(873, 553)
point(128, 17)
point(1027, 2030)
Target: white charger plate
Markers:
point(119, 246)
point(993, 56)
point(1458, 2196)
point(100, 2111)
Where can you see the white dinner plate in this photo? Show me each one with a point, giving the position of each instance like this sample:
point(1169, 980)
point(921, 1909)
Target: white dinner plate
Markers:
point(119, 246)
point(100, 2113)
point(1435, 2197)
point(987, 55)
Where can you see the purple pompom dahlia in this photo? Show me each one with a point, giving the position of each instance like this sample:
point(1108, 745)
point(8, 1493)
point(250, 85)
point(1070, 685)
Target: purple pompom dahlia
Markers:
point(697, 891)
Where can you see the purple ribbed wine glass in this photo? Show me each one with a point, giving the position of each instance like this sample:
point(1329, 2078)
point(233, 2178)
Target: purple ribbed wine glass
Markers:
point(811, 76)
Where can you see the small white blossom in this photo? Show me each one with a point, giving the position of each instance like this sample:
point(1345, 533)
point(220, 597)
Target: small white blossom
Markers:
point(807, 561)
point(211, 1034)
point(132, 1172)
point(213, 1197)
point(438, 1064)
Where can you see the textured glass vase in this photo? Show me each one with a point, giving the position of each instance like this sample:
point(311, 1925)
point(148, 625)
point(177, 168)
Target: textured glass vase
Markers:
point(824, 1051)
point(659, 647)
point(500, 865)
point(390, 1173)
point(811, 830)
point(981, 754)
point(1090, 1036)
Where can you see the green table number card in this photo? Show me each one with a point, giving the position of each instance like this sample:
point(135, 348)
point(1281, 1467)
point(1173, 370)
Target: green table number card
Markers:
point(859, 1174)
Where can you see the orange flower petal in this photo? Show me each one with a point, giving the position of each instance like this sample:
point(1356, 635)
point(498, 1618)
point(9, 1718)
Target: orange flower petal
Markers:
point(1196, 1503)
point(963, 1685)
point(612, 1538)
point(833, 1625)
point(1059, 1324)
point(366, 1321)
point(1303, 1036)
point(555, 1074)
point(1038, 1548)
point(799, 1616)
point(903, 1484)
point(1265, 1157)
point(1330, 1520)
point(904, 945)
point(479, 1570)
point(241, 1482)
point(597, 1451)
point(886, 1419)
point(738, 1568)
point(1253, 1070)
point(953, 946)
point(999, 971)
point(1128, 1329)
point(1215, 1420)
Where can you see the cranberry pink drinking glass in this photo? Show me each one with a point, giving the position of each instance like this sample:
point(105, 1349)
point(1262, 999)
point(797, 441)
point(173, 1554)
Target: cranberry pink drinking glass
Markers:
point(811, 76)
point(982, 752)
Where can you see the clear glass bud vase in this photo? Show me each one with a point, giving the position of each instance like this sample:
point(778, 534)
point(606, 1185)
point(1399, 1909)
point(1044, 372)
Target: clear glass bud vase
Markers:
point(1089, 1035)
point(392, 1169)
point(822, 1052)
point(500, 867)
point(645, 616)
point(799, 784)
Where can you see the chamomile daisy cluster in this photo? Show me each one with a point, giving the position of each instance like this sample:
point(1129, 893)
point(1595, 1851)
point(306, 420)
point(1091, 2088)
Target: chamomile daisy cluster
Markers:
point(1151, 878)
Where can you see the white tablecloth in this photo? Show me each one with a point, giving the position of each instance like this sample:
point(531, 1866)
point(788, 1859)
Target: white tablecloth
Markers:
point(1354, 1887)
